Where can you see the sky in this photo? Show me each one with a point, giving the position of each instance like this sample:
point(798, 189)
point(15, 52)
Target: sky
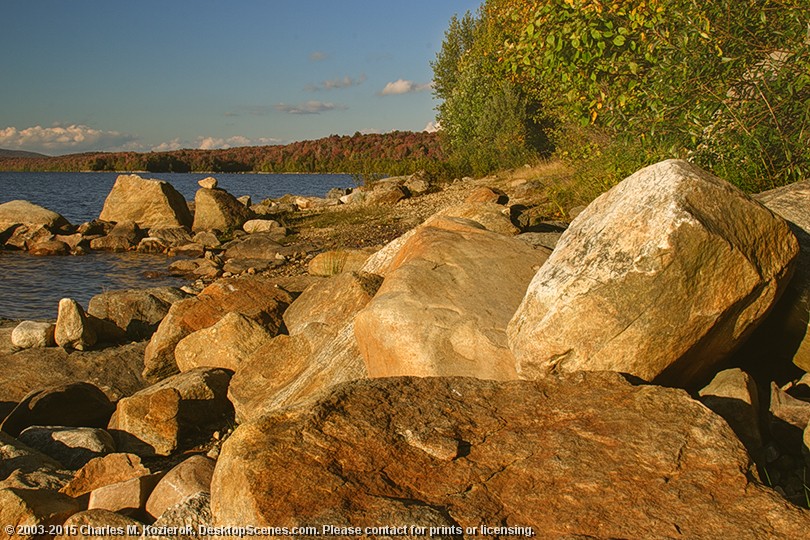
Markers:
point(148, 75)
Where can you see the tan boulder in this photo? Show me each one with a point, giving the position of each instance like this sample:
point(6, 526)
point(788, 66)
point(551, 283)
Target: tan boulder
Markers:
point(385, 194)
point(31, 215)
point(208, 183)
point(320, 352)
point(103, 471)
point(151, 421)
point(733, 395)
point(33, 334)
point(137, 312)
point(190, 477)
point(336, 261)
point(445, 303)
point(586, 455)
point(484, 194)
point(147, 424)
point(116, 370)
point(149, 203)
point(49, 248)
point(263, 225)
point(225, 344)
point(490, 215)
point(255, 297)
point(127, 497)
point(24, 237)
point(73, 329)
point(661, 277)
point(218, 209)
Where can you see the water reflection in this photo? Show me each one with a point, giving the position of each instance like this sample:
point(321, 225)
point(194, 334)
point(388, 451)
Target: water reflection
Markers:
point(31, 286)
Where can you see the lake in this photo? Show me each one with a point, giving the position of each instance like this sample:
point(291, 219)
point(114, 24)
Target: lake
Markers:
point(31, 287)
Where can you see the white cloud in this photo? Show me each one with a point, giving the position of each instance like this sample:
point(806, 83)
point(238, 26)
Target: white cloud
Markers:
point(401, 86)
point(174, 144)
point(432, 127)
point(216, 143)
point(317, 56)
point(333, 84)
point(310, 107)
point(60, 139)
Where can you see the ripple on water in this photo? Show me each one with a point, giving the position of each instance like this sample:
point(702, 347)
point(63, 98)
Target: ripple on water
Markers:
point(31, 286)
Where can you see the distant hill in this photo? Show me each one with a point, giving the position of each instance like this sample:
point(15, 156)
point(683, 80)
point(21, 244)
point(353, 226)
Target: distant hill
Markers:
point(19, 154)
point(397, 152)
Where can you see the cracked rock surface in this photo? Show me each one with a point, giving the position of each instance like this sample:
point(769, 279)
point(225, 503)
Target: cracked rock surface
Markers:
point(585, 454)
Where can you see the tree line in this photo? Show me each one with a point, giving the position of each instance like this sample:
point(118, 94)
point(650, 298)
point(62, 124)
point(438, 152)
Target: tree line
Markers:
point(398, 152)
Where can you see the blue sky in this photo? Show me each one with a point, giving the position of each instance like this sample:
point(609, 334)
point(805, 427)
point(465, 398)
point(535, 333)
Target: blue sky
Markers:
point(86, 75)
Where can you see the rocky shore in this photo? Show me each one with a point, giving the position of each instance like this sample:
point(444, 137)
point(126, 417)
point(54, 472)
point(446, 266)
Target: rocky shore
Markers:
point(418, 359)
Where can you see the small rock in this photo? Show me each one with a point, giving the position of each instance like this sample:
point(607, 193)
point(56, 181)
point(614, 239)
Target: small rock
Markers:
point(33, 334)
point(208, 183)
point(733, 395)
point(73, 330)
point(262, 225)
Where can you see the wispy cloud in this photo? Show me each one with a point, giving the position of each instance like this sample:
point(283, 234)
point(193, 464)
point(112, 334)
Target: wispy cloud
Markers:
point(318, 56)
point(402, 86)
point(59, 139)
point(333, 84)
point(310, 107)
point(214, 143)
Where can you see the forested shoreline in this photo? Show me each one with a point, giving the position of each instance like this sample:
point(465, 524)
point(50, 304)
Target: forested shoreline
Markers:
point(398, 152)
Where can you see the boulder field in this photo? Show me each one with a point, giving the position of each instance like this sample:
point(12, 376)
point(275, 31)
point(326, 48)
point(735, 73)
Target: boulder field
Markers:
point(464, 380)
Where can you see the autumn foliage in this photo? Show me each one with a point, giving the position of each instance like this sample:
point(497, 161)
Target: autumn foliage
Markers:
point(398, 152)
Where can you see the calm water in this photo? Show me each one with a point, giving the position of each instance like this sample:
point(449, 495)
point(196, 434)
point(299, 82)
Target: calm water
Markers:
point(31, 287)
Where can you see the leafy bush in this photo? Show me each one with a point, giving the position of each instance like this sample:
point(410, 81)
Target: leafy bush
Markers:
point(724, 83)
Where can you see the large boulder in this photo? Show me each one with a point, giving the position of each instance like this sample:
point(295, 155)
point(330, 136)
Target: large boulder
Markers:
point(320, 352)
point(137, 312)
point(116, 370)
point(785, 334)
point(445, 303)
point(149, 203)
point(71, 446)
point(31, 215)
point(254, 297)
point(78, 404)
point(152, 421)
point(661, 277)
point(580, 456)
point(226, 344)
point(217, 209)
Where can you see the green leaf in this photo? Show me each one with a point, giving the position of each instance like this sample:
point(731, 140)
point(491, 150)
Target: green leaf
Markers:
point(619, 40)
